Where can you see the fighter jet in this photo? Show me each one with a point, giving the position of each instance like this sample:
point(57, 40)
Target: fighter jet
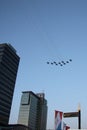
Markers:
point(56, 64)
point(67, 61)
point(61, 65)
point(63, 62)
point(70, 60)
point(47, 62)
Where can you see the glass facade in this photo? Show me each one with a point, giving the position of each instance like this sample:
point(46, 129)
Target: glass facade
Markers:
point(9, 62)
point(24, 110)
point(33, 111)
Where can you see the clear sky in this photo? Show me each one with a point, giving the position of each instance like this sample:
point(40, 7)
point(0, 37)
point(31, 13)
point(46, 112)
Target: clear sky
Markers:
point(48, 30)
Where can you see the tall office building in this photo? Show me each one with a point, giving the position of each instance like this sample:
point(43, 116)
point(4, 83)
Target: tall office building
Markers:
point(9, 61)
point(33, 110)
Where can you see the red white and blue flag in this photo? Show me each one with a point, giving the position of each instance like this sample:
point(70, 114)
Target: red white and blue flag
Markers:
point(65, 127)
point(58, 120)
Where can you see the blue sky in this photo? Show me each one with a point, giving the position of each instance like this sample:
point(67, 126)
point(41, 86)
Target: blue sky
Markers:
point(48, 30)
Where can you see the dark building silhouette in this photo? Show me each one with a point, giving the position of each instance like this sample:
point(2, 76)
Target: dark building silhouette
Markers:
point(14, 127)
point(33, 110)
point(9, 61)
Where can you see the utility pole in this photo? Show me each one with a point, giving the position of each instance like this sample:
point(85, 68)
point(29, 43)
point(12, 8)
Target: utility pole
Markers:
point(79, 117)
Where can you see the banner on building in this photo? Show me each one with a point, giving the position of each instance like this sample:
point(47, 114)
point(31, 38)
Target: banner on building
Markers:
point(58, 120)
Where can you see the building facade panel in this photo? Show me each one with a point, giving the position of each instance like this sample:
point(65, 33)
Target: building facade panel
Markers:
point(9, 61)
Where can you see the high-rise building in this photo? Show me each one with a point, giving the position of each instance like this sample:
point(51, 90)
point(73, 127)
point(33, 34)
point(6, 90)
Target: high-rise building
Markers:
point(33, 110)
point(9, 61)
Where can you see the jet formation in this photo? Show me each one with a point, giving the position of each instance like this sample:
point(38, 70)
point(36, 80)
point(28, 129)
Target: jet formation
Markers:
point(61, 63)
